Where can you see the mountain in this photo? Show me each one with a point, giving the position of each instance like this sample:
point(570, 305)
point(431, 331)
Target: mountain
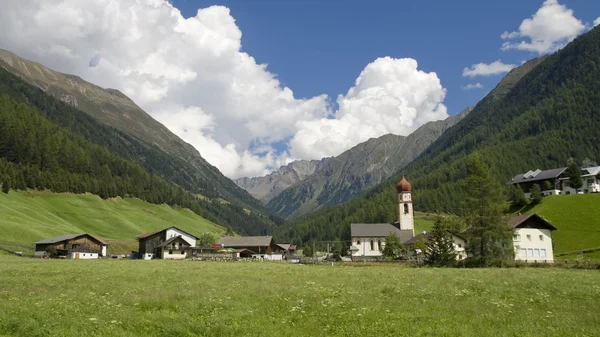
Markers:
point(267, 187)
point(540, 115)
point(111, 120)
point(367, 164)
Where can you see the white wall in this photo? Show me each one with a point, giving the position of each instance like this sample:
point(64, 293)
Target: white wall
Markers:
point(364, 247)
point(104, 250)
point(406, 220)
point(39, 253)
point(531, 244)
point(147, 256)
point(459, 247)
point(83, 256)
point(174, 232)
point(175, 256)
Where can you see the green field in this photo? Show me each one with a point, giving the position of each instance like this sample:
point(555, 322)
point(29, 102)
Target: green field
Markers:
point(26, 217)
point(577, 218)
point(187, 298)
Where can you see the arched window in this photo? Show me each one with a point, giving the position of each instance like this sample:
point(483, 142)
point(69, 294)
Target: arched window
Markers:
point(358, 242)
point(405, 208)
point(372, 245)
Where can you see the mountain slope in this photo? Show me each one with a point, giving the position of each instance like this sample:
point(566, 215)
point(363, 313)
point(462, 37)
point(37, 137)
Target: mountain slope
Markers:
point(159, 152)
point(538, 121)
point(266, 187)
point(116, 220)
point(362, 167)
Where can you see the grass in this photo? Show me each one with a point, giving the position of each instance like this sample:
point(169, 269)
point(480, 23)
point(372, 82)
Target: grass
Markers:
point(30, 216)
point(577, 218)
point(423, 222)
point(184, 298)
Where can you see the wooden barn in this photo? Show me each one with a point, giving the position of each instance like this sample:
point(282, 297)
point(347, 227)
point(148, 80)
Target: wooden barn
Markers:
point(74, 246)
point(168, 243)
point(259, 246)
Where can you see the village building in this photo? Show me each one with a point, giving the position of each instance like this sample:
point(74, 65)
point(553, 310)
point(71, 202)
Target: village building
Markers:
point(532, 238)
point(287, 249)
point(72, 246)
point(556, 181)
point(368, 240)
point(263, 247)
point(169, 243)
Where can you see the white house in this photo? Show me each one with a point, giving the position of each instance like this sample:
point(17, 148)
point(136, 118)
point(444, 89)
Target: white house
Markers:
point(556, 181)
point(368, 240)
point(532, 238)
point(162, 243)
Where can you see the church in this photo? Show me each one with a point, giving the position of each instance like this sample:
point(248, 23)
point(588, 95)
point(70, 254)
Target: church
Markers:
point(368, 239)
point(532, 234)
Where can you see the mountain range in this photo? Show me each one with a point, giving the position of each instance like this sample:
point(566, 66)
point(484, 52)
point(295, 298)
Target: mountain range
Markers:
point(118, 124)
point(540, 115)
point(303, 186)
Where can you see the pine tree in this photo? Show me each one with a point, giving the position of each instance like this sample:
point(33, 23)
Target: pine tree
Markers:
point(536, 194)
point(440, 246)
point(574, 173)
point(489, 237)
point(5, 187)
point(517, 196)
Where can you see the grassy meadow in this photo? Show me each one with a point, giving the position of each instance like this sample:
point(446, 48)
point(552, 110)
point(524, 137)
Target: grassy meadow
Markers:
point(577, 218)
point(188, 298)
point(30, 216)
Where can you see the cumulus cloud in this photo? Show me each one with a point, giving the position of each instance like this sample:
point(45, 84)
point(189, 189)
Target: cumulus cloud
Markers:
point(389, 96)
point(597, 21)
point(471, 86)
point(549, 29)
point(483, 69)
point(192, 76)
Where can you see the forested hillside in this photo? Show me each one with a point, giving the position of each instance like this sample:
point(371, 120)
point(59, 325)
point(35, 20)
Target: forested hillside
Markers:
point(365, 165)
point(538, 121)
point(47, 144)
point(110, 119)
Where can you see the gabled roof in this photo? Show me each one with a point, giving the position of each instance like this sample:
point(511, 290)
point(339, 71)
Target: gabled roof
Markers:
point(284, 246)
point(67, 237)
point(145, 235)
point(379, 230)
point(246, 241)
point(593, 171)
point(537, 175)
point(60, 238)
point(521, 221)
point(175, 238)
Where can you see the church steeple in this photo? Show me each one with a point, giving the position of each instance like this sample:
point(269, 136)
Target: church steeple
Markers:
point(405, 206)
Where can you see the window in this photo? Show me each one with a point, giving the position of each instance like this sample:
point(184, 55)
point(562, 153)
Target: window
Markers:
point(405, 208)
point(530, 252)
point(379, 244)
point(460, 245)
point(528, 237)
point(591, 181)
point(372, 245)
point(358, 242)
point(170, 251)
point(536, 253)
point(516, 237)
point(542, 252)
point(523, 252)
point(541, 238)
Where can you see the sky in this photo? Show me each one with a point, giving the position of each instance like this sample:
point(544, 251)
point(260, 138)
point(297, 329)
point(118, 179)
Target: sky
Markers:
point(256, 84)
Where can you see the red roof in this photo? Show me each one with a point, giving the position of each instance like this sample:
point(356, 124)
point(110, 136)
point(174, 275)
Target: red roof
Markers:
point(403, 185)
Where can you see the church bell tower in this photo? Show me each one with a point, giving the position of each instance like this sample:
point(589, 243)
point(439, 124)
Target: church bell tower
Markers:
point(405, 206)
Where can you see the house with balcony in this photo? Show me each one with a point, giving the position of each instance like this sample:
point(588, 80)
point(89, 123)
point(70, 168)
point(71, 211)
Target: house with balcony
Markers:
point(556, 181)
point(532, 238)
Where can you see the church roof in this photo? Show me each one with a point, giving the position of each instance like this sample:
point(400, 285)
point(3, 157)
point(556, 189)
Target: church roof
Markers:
point(403, 185)
point(379, 230)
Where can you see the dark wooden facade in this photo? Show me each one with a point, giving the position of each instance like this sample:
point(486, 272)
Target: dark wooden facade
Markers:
point(84, 243)
point(149, 244)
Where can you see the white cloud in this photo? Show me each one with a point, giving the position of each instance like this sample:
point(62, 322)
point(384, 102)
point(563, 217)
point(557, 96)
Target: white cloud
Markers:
point(597, 21)
point(483, 69)
point(473, 86)
point(191, 75)
point(549, 29)
point(389, 96)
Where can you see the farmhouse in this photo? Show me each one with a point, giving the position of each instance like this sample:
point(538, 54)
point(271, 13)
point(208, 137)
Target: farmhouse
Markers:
point(556, 181)
point(368, 240)
point(74, 246)
point(532, 238)
point(168, 243)
point(258, 246)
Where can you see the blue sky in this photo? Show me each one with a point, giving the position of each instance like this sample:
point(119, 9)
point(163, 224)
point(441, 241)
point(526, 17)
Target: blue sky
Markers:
point(321, 46)
point(198, 66)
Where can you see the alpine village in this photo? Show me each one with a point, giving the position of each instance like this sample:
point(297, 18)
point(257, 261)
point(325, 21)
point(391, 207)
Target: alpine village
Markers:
point(483, 223)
